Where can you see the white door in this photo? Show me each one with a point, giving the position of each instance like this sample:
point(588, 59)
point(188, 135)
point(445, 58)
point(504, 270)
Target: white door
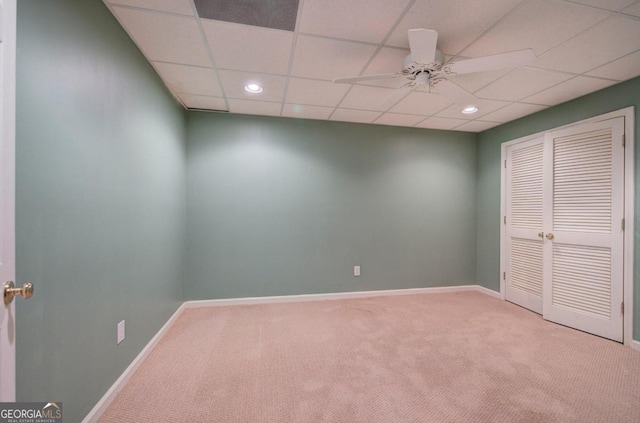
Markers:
point(583, 227)
point(524, 222)
point(7, 198)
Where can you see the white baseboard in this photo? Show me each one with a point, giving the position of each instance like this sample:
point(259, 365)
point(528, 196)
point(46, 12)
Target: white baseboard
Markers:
point(99, 409)
point(336, 296)
point(487, 291)
point(635, 345)
point(102, 405)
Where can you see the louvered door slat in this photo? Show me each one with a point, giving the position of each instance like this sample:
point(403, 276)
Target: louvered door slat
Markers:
point(526, 187)
point(526, 266)
point(582, 162)
point(581, 289)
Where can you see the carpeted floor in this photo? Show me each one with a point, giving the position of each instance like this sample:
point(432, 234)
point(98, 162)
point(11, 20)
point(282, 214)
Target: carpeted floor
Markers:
point(461, 357)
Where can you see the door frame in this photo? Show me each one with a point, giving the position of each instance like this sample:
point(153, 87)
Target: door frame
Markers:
point(629, 208)
point(8, 15)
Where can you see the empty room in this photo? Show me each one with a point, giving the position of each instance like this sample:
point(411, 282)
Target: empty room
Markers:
point(319, 210)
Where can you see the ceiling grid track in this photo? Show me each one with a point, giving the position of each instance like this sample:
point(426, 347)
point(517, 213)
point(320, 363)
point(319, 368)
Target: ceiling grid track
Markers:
point(582, 46)
point(375, 53)
point(293, 49)
point(211, 58)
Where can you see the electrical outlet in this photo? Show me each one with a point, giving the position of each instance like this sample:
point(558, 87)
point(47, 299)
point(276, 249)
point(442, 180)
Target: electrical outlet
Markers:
point(356, 270)
point(120, 332)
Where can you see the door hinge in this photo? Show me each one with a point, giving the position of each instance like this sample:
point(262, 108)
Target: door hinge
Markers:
point(505, 164)
point(504, 276)
point(622, 308)
point(624, 140)
point(623, 224)
point(504, 220)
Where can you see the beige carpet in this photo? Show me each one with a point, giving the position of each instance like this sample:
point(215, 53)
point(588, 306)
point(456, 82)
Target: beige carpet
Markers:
point(462, 357)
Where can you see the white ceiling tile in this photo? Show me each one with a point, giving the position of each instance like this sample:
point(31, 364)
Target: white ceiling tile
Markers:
point(387, 60)
point(322, 58)
point(587, 48)
point(250, 107)
point(189, 79)
point(165, 38)
point(440, 123)
point(521, 83)
point(484, 107)
point(622, 69)
point(614, 5)
point(366, 98)
point(458, 22)
point(182, 7)
point(476, 126)
point(248, 48)
point(360, 116)
point(313, 92)
point(513, 111)
point(233, 83)
point(634, 9)
point(306, 112)
point(474, 81)
point(421, 103)
point(398, 119)
point(609, 40)
point(360, 20)
point(573, 88)
point(538, 24)
point(203, 102)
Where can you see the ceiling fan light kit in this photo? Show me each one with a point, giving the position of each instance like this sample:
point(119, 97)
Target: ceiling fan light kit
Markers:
point(424, 68)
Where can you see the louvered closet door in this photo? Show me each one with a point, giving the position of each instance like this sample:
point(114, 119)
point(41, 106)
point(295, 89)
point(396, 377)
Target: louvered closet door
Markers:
point(583, 245)
point(524, 222)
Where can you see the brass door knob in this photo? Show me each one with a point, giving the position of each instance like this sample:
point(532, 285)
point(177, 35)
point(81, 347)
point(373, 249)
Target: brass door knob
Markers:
point(11, 291)
point(549, 236)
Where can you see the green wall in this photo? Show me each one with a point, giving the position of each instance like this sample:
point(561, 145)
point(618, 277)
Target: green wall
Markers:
point(100, 202)
point(119, 196)
point(281, 206)
point(488, 241)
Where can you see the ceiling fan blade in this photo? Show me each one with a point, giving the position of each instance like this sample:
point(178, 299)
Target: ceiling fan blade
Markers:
point(454, 92)
point(423, 45)
point(394, 98)
point(353, 79)
point(496, 61)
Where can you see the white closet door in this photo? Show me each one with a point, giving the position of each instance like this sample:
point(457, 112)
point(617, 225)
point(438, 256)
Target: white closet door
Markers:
point(583, 212)
point(524, 223)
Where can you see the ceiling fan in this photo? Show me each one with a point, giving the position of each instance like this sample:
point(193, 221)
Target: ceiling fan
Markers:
point(425, 68)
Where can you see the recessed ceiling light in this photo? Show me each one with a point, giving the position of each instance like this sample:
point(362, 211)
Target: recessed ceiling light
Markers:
point(469, 110)
point(253, 88)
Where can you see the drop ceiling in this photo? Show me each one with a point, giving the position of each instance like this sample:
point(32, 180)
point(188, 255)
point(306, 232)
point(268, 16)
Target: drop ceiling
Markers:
point(294, 49)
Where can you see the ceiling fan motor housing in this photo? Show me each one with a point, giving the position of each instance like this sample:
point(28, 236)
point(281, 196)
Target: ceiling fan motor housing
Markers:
point(410, 67)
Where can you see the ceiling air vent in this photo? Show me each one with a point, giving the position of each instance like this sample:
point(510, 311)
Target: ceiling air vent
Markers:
point(276, 14)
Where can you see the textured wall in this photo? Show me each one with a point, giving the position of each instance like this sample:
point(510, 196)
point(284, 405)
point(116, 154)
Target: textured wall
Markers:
point(610, 99)
point(282, 206)
point(100, 202)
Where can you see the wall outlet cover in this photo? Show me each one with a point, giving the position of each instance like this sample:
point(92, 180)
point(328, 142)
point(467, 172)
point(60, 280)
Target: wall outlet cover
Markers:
point(356, 270)
point(120, 332)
